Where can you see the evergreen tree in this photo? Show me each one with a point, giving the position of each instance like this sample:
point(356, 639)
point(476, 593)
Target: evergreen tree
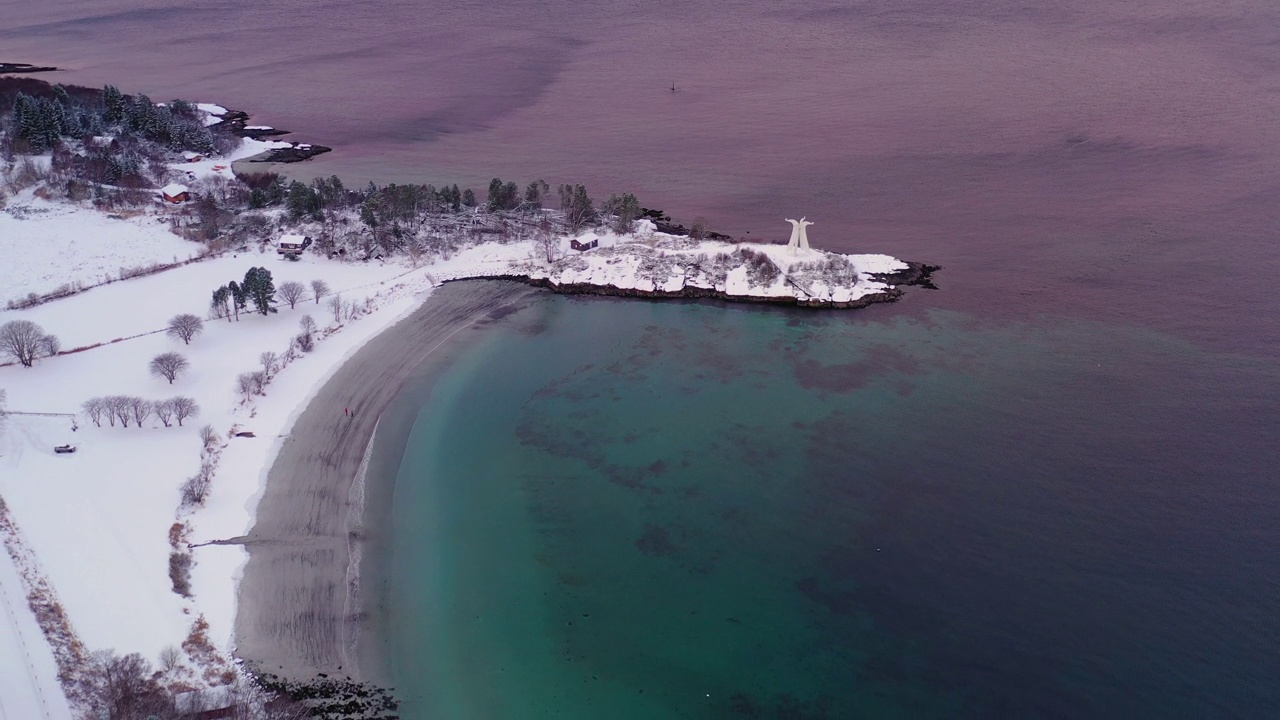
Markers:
point(495, 195)
point(302, 201)
point(577, 206)
point(535, 193)
point(113, 105)
point(625, 210)
point(469, 198)
point(452, 197)
point(238, 298)
point(260, 289)
point(219, 302)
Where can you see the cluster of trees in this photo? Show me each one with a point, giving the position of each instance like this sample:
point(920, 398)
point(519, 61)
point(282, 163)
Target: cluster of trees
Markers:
point(129, 687)
point(257, 288)
point(126, 408)
point(39, 123)
point(24, 341)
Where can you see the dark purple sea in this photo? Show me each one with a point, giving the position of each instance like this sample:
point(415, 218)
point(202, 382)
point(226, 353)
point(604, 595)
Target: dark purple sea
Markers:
point(1086, 488)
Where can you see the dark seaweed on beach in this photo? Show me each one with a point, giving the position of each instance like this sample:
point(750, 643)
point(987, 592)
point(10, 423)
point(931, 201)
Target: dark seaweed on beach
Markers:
point(334, 699)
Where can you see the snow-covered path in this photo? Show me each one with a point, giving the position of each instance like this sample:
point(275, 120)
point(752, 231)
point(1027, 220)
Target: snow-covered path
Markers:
point(28, 676)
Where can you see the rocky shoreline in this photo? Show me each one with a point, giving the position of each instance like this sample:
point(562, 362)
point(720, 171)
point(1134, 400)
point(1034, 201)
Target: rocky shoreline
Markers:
point(915, 274)
point(15, 68)
point(236, 123)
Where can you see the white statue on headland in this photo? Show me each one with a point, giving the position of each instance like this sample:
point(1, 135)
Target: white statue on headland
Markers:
point(799, 237)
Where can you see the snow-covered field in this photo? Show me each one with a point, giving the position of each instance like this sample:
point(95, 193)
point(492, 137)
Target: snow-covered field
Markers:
point(99, 519)
point(47, 244)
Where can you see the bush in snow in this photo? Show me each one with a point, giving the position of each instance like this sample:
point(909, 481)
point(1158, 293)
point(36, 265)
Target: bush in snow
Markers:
point(833, 270)
point(305, 342)
point(180, 570)
point(760, 269)
point(168, 365)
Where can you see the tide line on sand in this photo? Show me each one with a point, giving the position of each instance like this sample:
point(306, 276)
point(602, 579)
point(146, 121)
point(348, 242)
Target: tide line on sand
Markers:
point(299, 610)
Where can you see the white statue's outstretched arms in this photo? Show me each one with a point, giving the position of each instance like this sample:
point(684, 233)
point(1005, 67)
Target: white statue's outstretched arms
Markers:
point(803, 226)
point(795, 232)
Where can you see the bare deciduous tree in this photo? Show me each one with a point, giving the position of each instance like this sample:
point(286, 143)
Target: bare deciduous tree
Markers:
point(308, 324)
point(185, 326)
point(164, 410)
point(245, 384)
point(335, 307)
point(3, 415)
point(259, 379)
point(184, 407)
point(292, 292)
point(168, 365)
point(319, 289)
point(170, 659)
point(269, 361)
point(117, 409)
point(208, 436)
point(140, 409)
point(123, 687)
point(94, 407)
point(22, 340)
point(50, 345)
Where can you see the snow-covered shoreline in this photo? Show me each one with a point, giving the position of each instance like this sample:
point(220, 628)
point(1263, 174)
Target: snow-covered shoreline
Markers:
point(114, 505)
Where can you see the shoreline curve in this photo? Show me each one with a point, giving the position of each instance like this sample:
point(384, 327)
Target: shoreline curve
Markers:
point(294, 614)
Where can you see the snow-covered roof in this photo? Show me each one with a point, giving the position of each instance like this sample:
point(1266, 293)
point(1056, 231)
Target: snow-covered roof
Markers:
point(292, 239)
point(191, 155)
point(173, 189)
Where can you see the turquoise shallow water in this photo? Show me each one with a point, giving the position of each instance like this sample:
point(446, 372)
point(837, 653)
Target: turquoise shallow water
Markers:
point(646, 510)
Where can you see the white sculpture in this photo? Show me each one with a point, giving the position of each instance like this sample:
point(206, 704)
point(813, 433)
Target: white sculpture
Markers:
point(799, 237)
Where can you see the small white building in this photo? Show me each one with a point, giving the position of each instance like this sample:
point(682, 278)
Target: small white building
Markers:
point(190, 156)
point(292, 244)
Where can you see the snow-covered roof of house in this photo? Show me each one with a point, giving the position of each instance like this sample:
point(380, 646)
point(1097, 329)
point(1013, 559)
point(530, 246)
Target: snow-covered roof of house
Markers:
point(292, 239)
point(191, 155)
point(173, 189)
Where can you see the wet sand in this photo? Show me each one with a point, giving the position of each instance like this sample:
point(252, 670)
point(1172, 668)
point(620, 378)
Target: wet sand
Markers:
point(296, 616)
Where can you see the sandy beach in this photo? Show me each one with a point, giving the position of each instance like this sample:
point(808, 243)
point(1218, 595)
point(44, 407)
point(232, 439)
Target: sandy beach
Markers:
point(295, 616)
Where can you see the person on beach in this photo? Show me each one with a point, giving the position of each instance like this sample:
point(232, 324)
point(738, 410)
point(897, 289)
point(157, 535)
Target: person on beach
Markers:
point(346, 411)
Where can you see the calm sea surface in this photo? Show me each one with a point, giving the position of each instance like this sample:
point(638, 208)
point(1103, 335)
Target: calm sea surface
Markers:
point(1049, 488)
